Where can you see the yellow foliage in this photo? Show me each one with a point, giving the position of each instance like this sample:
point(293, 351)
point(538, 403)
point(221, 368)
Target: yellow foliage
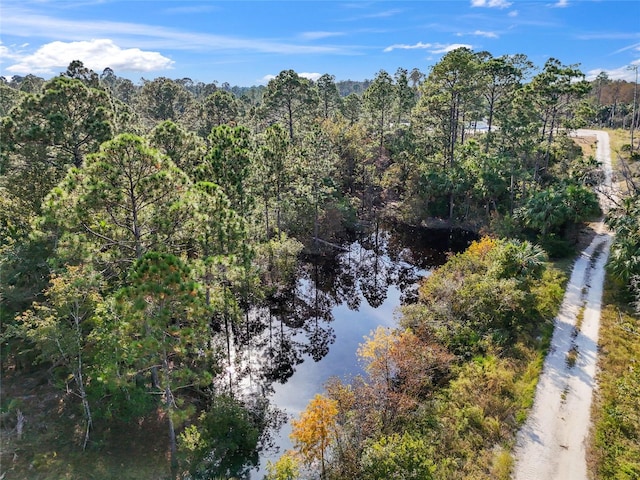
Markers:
point(286, 468)
point(482, 247)
point(376, 353)
point(311, 433)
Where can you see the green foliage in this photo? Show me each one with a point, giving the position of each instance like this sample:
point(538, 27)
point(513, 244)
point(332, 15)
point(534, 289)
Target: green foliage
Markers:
point(378, 102)
point(223, 443)
point(555, 210)
point(184, 148)
point(285, 468)
point(273, 171)
point(25, 273)
point(448, 99)
point(125, 202)
point(228, 164)
point(173, 225)
point(219, 108)
point(162, 312)
point(624, 259)
point(9, 97)
point(278, 262)
point(163, 99)
point(407, 457)
point(61, 329)
point(482, 297)
point(329, 96)
point(48, 132)
point(288, 99)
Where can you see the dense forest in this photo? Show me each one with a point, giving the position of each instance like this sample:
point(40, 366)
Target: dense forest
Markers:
point(148, 230)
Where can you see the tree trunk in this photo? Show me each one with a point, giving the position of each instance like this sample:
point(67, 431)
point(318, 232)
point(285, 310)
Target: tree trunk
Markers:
point(278, 214)
point(78, 377)
point(290, 114)
point(169, 403)
point(85, 404)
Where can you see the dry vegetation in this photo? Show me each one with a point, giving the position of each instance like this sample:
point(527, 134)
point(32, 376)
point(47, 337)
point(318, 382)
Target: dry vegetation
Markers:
point(588, 145)
point(615, 439)
point(619, 142)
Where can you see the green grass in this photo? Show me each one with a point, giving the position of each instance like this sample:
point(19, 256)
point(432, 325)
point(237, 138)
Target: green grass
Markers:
point(614, 451)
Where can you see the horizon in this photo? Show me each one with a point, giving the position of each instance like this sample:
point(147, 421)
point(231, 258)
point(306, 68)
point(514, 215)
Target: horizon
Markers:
point(247, 43)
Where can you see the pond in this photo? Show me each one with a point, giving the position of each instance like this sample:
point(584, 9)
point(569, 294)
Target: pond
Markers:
point(340, 297)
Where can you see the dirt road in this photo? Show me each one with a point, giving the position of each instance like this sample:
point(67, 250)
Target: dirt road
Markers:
point(552, 443)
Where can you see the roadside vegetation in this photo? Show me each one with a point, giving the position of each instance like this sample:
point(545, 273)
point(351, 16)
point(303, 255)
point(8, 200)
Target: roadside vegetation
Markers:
point(615, 445)
point(615, 436)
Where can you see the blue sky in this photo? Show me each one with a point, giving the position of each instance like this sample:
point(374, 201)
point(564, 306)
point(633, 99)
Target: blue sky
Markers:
point(246, 43)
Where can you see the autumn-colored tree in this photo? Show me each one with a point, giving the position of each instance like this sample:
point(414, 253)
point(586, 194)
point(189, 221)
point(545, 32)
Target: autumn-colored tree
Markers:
point(402, 369)
point(376, 354)
point(314, 431)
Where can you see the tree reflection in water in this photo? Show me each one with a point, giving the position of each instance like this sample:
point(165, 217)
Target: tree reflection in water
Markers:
point(296, 323)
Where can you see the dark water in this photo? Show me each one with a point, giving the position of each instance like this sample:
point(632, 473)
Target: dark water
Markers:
point(311, 333)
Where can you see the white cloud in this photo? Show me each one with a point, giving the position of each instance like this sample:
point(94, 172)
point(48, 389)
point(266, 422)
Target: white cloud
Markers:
point(626, 72)
point(319, 35)
point(4, 52)
point(561, 3)
point(266, 79)
point(310, 76)
point(95, 54)
point(479, 33)
point(23, 23)
point(440, 48)
point(635, 46)
point(490, 3)
point(307, 75)
point(189, 9)
point(9, 52)
point(432, 47)
point(384, 14)
point(404, 46)
point(513, 13)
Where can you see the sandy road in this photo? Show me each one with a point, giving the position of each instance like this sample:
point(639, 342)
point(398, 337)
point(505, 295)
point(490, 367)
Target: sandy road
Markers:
point(552, 443)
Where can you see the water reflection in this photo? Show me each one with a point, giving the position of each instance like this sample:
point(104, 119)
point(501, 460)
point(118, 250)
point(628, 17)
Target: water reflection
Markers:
point(341, 294)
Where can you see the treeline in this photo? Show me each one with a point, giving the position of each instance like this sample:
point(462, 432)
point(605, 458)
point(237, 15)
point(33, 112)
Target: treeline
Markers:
point(142, 223)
